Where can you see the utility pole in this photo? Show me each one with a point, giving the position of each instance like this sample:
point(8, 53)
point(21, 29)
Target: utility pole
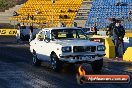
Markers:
point(53, 1)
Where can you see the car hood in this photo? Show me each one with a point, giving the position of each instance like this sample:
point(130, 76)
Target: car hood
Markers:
point(77, 43)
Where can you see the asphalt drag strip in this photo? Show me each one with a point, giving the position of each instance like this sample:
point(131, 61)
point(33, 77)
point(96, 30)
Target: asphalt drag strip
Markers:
point(16, 71)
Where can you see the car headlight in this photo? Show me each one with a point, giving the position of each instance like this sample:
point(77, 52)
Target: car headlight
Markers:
point(101, 48)
point(66, 49)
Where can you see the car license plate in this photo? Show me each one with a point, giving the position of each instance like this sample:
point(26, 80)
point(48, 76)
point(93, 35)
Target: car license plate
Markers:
point(85, 57)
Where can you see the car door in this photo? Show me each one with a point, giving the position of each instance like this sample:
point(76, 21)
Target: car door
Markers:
point(38, 44)
point(45, 46)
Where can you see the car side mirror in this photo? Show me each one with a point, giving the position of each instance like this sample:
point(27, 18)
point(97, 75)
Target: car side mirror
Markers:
point(47, 37)
point(47, 40)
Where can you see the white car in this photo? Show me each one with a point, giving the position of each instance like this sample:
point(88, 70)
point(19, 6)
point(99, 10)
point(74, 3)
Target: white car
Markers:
point(66, 45)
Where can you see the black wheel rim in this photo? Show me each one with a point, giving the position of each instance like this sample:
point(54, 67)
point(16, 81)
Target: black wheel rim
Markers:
point(34, 58)
point(53, 63)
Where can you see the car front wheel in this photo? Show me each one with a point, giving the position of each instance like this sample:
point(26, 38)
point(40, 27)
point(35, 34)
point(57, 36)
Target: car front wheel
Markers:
point(55, 63)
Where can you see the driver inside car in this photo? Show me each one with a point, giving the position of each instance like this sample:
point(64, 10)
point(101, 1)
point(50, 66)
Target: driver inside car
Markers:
point(55, 34)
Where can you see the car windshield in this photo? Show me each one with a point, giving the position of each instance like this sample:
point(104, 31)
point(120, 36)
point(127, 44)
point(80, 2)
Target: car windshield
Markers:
point(68, 34)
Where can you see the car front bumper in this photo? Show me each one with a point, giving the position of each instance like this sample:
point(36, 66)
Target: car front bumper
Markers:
point(80, 58)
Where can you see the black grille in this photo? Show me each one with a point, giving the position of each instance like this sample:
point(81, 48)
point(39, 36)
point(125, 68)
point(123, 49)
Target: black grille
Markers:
point(84, 48)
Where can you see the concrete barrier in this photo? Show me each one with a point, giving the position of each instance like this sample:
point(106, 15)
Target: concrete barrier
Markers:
point(110, 48)
point(128, 54)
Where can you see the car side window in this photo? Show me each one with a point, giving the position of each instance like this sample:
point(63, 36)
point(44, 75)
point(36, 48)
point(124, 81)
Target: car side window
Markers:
point(47, 35)
point(40, 36)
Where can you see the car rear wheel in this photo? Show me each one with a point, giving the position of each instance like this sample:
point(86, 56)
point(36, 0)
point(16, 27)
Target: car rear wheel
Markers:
point(35, 60)
point(55, 63)
point(97, 66)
